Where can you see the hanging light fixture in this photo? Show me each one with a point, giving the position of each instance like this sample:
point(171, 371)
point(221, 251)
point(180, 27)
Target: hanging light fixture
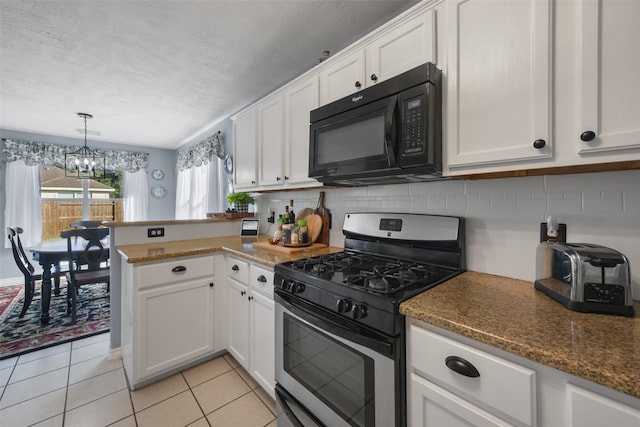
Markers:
point(86, 162)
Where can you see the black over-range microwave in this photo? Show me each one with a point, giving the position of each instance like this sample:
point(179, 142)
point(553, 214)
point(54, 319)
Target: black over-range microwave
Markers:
point(388, 133)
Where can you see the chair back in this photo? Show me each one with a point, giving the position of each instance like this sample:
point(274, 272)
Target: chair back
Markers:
point(86, 224)
point(93, 254)
point(19, 255)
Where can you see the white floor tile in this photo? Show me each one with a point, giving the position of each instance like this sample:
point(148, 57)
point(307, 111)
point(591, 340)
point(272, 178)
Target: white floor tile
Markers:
point(40, 366)
point(92, 367)
point(179, 410)
point(44, 353)
point(91, 340)
point(158, 391)
point(35, 410)
point(127, 422)
point(5, 374)
point(89, 352)
point(32, 387)
point(8, 363)
point(52, 422)
point(95, 388)
point(101, 412)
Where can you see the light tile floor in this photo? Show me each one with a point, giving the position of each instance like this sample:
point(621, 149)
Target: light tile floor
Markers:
point(74, 384)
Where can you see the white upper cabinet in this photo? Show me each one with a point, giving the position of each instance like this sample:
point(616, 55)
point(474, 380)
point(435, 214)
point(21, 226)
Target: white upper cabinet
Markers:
point(609, 98)
point(245, 140)
point(343, 77)
point(499, 89)
point(299, 101)
point(270, 140)
point(402, 48)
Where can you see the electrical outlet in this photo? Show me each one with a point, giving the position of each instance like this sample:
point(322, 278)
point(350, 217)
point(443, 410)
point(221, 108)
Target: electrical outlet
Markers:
point(562, 233)
point(155, 232)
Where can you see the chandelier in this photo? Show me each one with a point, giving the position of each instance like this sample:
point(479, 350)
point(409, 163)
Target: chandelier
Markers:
point(85, 163)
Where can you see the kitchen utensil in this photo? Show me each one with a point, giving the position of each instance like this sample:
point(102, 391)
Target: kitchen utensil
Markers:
point(314, 226)
point(326, 219)
point(585, 277)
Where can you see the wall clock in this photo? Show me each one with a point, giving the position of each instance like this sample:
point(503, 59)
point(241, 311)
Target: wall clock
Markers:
point(158, 192)
point(157, 174)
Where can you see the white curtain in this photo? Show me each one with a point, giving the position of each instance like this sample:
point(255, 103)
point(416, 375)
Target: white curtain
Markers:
point(136, 196)
point(192, 192)
point(22, 203)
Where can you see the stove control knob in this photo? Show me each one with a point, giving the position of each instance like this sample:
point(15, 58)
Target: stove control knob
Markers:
point(359, 311)
point(343, 305)
point(297, 288)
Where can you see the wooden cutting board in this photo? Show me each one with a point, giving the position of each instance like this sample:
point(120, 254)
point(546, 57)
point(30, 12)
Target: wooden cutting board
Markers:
point(283, 249)
point(314, 226)
point(326, 219)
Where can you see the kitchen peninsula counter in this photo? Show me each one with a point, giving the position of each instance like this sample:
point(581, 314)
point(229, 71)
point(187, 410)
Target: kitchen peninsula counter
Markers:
point(231, 244)
point(511, 315)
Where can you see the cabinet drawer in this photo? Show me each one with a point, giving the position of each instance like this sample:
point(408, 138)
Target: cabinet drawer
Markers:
point(238, 270)
point(261, 280)
point(180, 269)
point(501, 385)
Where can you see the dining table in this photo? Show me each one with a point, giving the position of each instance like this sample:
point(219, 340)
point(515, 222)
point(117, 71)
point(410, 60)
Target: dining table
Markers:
point(50, 255)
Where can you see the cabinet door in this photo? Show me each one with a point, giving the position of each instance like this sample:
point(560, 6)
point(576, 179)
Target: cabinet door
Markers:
point(432, 406)
point(270, 137)
point(244, 148)
point(401, 49)
point(609, 84)
point(299, 101)
point(263, 342)
point(175, 325)
point(239, 322)
point(587, 409)
point(499, 81)
point(343, 77)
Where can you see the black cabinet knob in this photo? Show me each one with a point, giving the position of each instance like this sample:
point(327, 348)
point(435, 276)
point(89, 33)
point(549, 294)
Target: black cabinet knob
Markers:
point(286, 178)
point(211, 285)
point(587, 135)
point(539, 143)
point(277, 178)
point(374, 78)
point(461, 366)
point(249, 298)
point(253, 182)
point(358, 85)
point(242, 293)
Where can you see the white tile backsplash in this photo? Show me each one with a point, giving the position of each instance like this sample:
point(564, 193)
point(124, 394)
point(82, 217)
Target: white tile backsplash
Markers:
point(502, 215)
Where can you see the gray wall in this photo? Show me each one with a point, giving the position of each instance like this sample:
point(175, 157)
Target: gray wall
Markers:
point(158, 159)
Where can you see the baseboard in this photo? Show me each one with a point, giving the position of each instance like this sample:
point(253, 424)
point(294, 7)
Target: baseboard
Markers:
point(114, 354)
point(12, 281)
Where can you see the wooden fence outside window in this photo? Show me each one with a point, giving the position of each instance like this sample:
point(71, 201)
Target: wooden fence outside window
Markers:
point(57, 215)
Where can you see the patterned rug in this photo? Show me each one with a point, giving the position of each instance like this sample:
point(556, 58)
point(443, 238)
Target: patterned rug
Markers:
point(19, 336)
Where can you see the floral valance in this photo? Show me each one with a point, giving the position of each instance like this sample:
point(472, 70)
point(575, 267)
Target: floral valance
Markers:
point(201, 153)
point(33, 153)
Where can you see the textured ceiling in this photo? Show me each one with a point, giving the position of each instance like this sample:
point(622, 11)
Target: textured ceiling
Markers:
point(155, 73)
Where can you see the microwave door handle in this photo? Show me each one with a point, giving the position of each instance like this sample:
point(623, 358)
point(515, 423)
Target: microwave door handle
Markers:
point(388, 130)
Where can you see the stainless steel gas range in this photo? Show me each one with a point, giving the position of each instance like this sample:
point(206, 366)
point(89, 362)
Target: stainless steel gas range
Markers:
point(340, 339)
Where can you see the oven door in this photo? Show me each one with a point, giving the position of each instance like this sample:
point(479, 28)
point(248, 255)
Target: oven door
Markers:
point(331, 376)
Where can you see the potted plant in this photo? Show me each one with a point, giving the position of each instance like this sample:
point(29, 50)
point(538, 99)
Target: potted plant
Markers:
point(240, 201)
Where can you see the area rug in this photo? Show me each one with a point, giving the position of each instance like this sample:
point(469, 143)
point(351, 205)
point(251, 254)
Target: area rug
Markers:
point(20, 336)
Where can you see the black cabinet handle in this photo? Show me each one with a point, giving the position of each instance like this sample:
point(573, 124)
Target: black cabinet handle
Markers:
point(242, 293)
point(211, 285)
point(588, 135)
point(253, 182)
point(461, 366)
point(235, 268)
point(358, 85)
point(286, 178)
point(374, 77)
point(179, 269)
point(277, 178)
point(262, 279)
point(250, 298)
point(539, 143)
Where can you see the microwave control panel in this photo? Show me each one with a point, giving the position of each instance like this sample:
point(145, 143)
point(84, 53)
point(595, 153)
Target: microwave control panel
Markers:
point(414, 126)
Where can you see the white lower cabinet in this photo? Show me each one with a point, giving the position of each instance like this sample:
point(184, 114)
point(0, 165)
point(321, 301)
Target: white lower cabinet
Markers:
point(251, 320)
point(169, 316)
point(589, 409)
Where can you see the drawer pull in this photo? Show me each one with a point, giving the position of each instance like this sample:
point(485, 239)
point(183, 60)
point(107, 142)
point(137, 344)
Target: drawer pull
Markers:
point(242, 293)
point(235, 267)
point(461, 366)
point(262, 279)
point(179, 269)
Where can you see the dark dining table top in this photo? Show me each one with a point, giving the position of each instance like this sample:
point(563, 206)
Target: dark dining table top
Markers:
point(58, 247)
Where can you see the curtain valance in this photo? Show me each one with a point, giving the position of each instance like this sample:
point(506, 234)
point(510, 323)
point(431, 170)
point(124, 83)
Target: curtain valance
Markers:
point(33, 153)
point(201, 153)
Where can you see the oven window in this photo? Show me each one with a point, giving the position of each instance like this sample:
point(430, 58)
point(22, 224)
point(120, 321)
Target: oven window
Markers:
point(358, 140)
point(335, 373)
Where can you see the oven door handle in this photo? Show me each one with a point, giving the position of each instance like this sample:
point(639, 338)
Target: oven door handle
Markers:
point(376, 342)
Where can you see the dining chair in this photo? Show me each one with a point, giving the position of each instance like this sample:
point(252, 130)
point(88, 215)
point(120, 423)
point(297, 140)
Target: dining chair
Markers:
point(86, 224)
point(90, 266)
point(26, 268)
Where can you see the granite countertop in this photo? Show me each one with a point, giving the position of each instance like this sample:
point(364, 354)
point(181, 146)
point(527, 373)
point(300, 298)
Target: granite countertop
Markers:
point(511, 315)
point(230, 244)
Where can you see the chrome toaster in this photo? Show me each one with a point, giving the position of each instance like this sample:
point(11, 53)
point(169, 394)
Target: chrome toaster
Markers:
point(585, 277)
